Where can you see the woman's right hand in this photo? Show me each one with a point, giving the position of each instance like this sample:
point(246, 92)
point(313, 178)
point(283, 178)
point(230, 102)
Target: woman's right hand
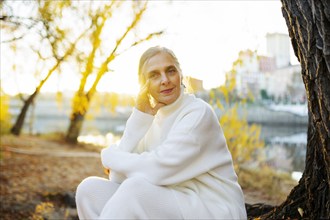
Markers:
point(143, 102)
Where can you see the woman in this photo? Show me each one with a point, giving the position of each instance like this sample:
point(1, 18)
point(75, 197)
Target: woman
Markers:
point(172, 161)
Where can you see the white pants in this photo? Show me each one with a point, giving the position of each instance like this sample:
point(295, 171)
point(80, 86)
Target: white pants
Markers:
point(135, 198)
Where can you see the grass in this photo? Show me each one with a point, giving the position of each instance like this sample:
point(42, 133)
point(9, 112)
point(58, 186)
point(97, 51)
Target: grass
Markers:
point(267, 181)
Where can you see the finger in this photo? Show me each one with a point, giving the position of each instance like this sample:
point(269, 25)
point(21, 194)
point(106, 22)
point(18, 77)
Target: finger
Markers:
point(142, 102)
point(158, 106)
point(143, 93)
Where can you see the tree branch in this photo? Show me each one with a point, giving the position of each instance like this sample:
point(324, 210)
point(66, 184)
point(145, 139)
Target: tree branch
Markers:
point(139, 41)
point(112, 55)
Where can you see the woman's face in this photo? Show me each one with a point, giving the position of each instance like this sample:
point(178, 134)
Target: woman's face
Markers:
point(164, 78)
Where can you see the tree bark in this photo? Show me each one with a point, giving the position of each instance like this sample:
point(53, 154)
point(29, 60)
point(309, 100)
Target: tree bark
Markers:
point(308, 23)
point(75, 127)
point(17, 127)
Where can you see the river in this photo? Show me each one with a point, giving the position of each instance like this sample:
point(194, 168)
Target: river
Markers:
point(284, 132)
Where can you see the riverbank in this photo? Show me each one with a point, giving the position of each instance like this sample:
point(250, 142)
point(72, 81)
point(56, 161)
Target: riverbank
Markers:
point(39, 176)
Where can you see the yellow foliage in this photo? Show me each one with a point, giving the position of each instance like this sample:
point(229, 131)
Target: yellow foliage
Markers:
point(43, 210)
point(243, 140)
point(80, 103)
point(212, 96)
point(59, 100)
point(4, 113)
point(112, 101)
point(96, 103)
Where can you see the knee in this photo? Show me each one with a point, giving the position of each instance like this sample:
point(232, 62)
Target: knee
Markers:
point(135, 183)
point(135, 188)
point(85, 187)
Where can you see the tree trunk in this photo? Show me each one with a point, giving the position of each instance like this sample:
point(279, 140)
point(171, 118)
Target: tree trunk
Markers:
point(17, 127)
point(76, 123)
point(308, 22)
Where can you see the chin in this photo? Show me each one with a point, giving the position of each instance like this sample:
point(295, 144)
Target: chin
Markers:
point(169, 100)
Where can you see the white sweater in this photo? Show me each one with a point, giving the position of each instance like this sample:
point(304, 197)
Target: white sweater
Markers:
point(182, 147)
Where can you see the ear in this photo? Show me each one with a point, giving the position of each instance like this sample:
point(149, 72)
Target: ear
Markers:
point(182, 84)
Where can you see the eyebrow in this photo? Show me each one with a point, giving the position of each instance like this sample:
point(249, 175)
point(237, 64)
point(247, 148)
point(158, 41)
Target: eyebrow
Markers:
point(166, 69)
point(152, 72)
point(170, 66)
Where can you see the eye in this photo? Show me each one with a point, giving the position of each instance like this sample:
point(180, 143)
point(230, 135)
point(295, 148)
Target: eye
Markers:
point(153, 75)
point(172, 70)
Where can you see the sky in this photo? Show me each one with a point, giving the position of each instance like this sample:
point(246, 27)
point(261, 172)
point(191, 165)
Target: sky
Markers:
point(206, 36)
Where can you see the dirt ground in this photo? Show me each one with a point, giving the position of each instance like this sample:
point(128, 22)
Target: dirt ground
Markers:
point(39, 174)
point(38, 177)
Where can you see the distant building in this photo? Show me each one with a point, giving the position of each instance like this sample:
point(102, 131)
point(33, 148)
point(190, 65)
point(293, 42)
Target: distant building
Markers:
point(284, 82)
point(286, 85)
point(266, 64)
point(278, 47)
point(249, 79)
point(273, 74)
point(193, 85)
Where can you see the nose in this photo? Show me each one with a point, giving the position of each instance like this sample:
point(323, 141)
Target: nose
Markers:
point(164, 79)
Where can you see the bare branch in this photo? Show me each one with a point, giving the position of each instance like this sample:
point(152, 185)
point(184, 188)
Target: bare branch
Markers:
point(18, 22)
point(135, 21)
point(149, 37)
point(14, 39)
point(59, 60)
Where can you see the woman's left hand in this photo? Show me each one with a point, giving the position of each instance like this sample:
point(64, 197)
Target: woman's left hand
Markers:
point(106, 171)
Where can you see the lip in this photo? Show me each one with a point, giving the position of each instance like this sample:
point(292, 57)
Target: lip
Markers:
point(166, 91)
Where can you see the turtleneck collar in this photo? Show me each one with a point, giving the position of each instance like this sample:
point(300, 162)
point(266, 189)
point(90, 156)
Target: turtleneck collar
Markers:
point(167, 109)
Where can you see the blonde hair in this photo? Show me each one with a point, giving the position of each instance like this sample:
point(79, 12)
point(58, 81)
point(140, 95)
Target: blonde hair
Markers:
point(151, 52)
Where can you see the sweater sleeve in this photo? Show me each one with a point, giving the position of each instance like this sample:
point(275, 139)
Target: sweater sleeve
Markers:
point(136, 127)
point(188, 151)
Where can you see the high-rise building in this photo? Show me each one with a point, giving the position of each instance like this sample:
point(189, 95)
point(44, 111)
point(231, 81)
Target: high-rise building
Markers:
point(278, 47)
point(271, 75)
